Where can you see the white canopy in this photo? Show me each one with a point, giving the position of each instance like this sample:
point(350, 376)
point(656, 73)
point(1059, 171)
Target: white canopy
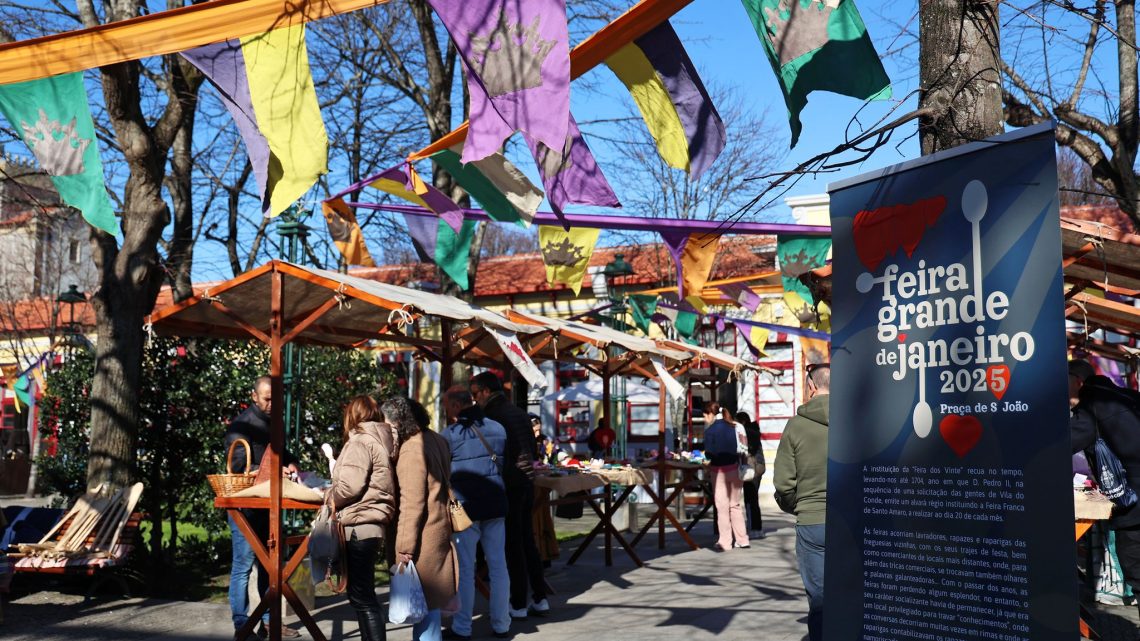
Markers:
point(591, 390)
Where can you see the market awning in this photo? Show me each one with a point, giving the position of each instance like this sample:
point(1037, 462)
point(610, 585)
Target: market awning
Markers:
point(1097, 255)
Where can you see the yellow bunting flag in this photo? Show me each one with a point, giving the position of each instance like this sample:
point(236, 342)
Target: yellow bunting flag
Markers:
point(567, 253)
point(283, 97)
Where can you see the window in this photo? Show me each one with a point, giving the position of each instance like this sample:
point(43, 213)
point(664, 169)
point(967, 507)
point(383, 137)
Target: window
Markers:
point(73, 252)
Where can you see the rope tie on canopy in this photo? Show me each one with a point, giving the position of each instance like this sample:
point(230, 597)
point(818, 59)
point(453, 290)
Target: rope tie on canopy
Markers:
point(1084, 317)
point(1098, 244)
point(208, 298)
point(342, 299)
point(148, 328)
point(401, 316)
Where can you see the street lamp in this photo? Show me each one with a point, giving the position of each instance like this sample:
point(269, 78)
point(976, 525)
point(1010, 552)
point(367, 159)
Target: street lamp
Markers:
point(614, 270)
point(71, 297)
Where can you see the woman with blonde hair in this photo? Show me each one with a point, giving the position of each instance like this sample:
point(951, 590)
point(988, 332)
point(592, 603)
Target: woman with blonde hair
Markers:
point(423, 530)
point(364, 494)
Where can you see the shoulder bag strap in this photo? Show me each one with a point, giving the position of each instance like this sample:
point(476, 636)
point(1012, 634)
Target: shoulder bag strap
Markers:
point(494, 457)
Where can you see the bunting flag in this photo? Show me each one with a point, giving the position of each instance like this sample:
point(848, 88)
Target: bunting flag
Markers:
point(266, 85)
point(672, 386)
point(797, 256)
point(818, 45)
point(671, 98)
point(641, 308)
point(504, 192)
point(694, 255)
point(54, 120)
point(436, 242)
point(516, 54)
point(399, 184)
point(572, 176)
point(679, 314)
point(566, 253)
point(741, 295)
point(345, 232)
point(755, 338)
point(11, 375)
point(518, 357)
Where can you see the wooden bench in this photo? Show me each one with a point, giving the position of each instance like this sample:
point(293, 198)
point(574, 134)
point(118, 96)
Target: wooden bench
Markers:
point(94, 538)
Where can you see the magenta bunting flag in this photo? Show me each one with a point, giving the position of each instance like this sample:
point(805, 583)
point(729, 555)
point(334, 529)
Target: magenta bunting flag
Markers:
point(572, 176)
point(517, 57)
point(742, 295)
point(224, 66)
point(394, 181)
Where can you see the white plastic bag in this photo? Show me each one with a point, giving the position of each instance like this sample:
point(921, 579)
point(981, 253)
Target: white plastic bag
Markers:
point(406, 602)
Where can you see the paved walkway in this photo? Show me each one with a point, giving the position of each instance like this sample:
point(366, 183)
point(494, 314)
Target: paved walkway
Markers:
point(679, 594)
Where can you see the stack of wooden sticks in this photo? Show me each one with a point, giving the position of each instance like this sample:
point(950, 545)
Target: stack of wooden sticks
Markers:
point(91, 527)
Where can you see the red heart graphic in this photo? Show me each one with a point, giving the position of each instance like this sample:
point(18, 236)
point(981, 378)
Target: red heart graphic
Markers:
point(902, 338)
point(961, 433)
point(880, 232)
point(997, 379)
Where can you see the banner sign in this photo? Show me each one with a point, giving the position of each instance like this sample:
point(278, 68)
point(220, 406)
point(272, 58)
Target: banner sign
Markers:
point(949, 502)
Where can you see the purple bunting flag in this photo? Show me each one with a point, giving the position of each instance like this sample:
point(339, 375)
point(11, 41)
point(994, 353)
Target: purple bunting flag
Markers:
point(224, 66)
point(517, 57)
point(742, 295)
point(572, 176)
point(394, 181)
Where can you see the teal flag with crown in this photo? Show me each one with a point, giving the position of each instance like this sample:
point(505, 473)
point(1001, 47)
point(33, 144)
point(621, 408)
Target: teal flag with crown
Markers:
point(52, 117)
point(818, 45)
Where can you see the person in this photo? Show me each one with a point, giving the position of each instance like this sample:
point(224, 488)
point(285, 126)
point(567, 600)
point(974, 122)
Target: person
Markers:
point(423, 523)
point(477, 447)
point(528, 586)
point(801, 486)
point(252, 425)
point(601, 439)
point(1111, 411)
point(752, 488)
point(364, 494)
point(723, 450)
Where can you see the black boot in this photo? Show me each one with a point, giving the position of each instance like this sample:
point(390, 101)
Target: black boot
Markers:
point(372, 626)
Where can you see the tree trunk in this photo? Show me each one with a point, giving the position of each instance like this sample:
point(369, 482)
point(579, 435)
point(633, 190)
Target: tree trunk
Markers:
point(185, 81)
point(959, 72)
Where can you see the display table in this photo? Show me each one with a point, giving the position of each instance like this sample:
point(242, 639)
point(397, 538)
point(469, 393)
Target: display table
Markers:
point(588, 479)
point(690, 475)
point(1088, 508)
point(233, 506)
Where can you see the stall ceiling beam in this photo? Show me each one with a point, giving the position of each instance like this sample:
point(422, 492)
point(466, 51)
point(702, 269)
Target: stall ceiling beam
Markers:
point(160, 33)
point(628, 223)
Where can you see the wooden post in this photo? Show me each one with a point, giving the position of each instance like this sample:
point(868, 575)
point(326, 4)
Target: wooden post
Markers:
point(276, 450)
point(661, 461)
point(445, 364)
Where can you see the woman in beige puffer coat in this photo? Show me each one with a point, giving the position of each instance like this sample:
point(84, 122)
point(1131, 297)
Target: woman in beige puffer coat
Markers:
point(364, 494)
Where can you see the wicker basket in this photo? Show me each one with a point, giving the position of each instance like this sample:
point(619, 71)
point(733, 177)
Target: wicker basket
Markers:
point(230, 483)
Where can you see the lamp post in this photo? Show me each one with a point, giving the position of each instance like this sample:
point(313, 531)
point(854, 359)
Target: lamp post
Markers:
point(614, 271)
point(71, 297)
point(294, 235)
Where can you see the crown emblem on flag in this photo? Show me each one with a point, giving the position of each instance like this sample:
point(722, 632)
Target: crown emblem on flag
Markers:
point(796, 265)
point(562, 254)
point(510, 58)
point(58, 148)
point(796, 28)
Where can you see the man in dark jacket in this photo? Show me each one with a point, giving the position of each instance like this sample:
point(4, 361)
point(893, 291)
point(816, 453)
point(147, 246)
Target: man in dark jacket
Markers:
point(1112, 411)
point(477, 446)
point(252, 425)
point(801, 486)
point(523, 561)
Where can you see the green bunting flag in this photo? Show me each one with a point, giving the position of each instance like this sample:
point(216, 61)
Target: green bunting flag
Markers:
point(818, 45)
point(797, 256)
point(505, 193)
point(641, 308)
point(435, 241)
point(54, 120)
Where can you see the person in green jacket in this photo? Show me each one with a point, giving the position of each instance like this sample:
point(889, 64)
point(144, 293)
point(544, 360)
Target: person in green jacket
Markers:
point(801, 487)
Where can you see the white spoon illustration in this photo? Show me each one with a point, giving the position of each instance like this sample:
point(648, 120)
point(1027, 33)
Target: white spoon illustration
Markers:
point(922, 418)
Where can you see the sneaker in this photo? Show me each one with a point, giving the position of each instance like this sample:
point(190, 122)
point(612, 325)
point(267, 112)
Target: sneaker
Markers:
point(540, 608)
point(502, 635)
point(518, 614)
point(286, 632)
point(759, 534)
point(737, 546)
point(452, 634)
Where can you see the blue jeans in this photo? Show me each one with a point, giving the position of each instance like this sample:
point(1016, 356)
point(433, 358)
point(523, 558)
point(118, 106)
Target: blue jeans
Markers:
point(492, 533)
point(809, 554)
point(243, 560)
point(428, 629)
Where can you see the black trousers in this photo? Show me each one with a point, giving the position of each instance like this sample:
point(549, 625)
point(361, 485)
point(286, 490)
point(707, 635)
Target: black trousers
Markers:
point(360, 561)
point(752, 502)
point(524, 565)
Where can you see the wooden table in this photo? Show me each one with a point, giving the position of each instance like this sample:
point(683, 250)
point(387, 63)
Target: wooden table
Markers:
point(586, 480)
point(690, 477)
point(233, 507)
point(1088, 508)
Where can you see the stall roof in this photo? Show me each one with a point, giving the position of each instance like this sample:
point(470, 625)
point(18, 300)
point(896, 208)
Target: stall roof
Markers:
point(326, 308)
point(1100, 255)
